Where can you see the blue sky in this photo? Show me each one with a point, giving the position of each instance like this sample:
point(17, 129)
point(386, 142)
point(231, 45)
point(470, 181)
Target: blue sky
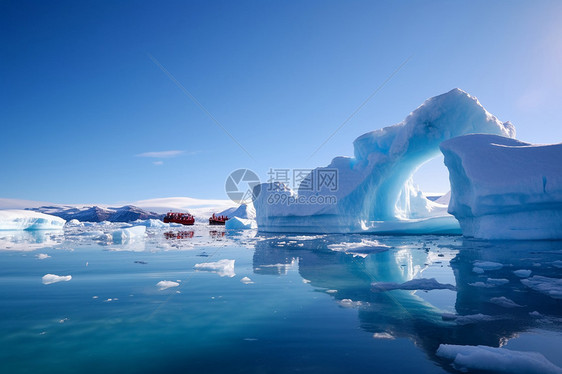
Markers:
point(85, 111)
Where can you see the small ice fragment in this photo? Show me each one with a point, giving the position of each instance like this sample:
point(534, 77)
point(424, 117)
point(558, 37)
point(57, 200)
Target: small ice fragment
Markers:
point(331, 291)
point(522, 273)
point(53, 278)
point(42, 256)
point(246, 280)
point(504, 302)
point(224, 268)
point(488, 265)
point(163, 285)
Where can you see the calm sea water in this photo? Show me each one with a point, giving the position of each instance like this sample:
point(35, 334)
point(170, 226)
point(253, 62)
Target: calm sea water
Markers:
point(312, 304)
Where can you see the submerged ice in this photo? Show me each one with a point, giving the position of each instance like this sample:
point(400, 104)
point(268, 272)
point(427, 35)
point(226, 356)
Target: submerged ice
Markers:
point(374, 192)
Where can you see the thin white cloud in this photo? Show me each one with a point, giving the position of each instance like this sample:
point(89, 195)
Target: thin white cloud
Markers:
point(161, 154)
point(158, 163)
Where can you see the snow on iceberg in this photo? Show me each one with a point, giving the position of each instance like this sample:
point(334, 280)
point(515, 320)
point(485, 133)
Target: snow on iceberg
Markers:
point(29, 220)
point(129, 234)
point(499, 360)
point(373, 192)
point(224, 268)
point(236, 223)
point(53, 278)
point(503, 188)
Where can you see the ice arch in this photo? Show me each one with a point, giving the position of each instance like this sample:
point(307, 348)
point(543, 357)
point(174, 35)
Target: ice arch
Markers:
point(371, 183)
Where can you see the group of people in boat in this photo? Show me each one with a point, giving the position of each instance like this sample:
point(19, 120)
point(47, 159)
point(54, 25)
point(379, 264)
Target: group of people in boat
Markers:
point(188, 219)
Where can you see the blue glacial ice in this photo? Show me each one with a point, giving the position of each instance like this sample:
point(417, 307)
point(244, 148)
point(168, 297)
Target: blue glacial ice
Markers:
point(29, 220)
point(502, 188)
point(374, 192)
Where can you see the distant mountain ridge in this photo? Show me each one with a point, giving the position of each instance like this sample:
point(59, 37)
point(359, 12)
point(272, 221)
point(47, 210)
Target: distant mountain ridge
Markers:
point(127, 213)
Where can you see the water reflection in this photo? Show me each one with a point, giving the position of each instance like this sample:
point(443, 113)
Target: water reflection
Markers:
point(495, 298)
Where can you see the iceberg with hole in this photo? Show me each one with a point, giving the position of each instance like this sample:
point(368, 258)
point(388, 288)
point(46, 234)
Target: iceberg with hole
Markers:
point(28, 220)
point(373, 191)
point(503, 188)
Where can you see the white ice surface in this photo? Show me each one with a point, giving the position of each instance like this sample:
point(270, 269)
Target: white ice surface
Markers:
point(29, 220)
point(546, 285)
point(128, 234)
point(224, 268)
point(236, 223)
point(53, 278)
point(502, 188)
point(163, 285)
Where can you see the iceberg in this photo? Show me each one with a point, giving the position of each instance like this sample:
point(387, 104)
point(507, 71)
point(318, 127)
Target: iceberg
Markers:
point(236, 223)
point(53, 278)
point(28, 220)
point(245, 211)
point(503, 188)
point(129, 234)
point(372, 191)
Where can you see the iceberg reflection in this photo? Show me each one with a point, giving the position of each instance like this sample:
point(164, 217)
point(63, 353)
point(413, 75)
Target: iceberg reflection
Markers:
point(491, 304)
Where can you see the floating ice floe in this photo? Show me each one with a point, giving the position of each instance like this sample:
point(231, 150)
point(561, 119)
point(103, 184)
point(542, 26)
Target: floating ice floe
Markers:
point(128, 234)
point(246, 280)
point(372, 191)
point(548, 286)
point(163, 285)
point(414, 284)
point(29, 220)
point(503, 188)
point(498, 360)
point(236, 223)
point(361, 248)
point(42, 256)
point(53, 278)
point(522, 273)
point(504, 302)
point(224, 268)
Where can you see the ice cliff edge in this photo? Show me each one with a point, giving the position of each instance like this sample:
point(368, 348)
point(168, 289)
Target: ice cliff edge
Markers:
point(503, 188)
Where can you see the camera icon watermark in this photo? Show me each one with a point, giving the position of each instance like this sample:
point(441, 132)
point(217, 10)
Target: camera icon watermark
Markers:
point(242, 186)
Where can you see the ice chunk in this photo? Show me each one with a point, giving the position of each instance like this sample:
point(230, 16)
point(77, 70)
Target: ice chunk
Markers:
point(502, 188)
point(128, 234)
point(246, 280)
point(522, 273)
point(236, 223)
point(224, 268)
point(498, 360)
point(414, 284)
point(362, 248)
point(505, 302)
point(371, 191)
point(29, 220)
point(42, 256)
point(53, 278)
point(549, 286)
point(163, 285)
point(487, 265)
